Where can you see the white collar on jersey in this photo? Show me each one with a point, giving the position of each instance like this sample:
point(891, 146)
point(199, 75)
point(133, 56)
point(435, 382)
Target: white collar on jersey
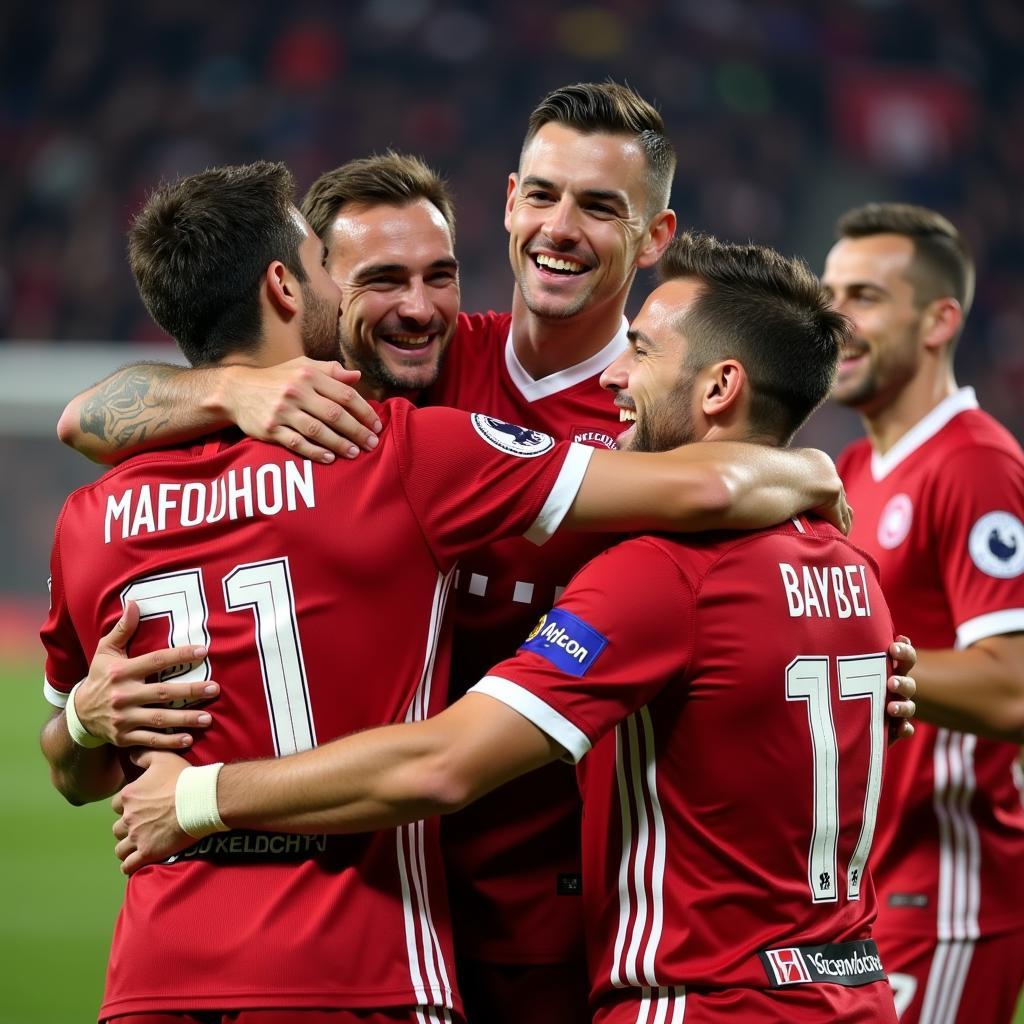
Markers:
point(532, 389)
point(924, 430)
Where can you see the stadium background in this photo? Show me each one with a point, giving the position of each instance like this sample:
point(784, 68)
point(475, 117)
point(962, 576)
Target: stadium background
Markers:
point(784, 114)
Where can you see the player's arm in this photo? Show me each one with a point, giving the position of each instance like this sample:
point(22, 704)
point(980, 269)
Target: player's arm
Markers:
point(374, 779)
point(80, 774)
point(979, 686)
point(306, 405)
point(113, 706)
point(979, 689)
point(707, 485)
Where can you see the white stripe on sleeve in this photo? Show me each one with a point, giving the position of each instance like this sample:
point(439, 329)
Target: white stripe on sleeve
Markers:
point(534, 710)
point(562, 494)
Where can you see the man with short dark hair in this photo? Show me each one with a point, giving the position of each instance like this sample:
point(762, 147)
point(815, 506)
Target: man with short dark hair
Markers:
point(586, 207)
point(257, 565)
point(682, 672)
point(938, 487)
point(389, 227)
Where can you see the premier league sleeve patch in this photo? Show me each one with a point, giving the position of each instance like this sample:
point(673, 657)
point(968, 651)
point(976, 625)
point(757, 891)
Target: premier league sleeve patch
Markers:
point(996, 544)
point(566, 641)
point(511, 439)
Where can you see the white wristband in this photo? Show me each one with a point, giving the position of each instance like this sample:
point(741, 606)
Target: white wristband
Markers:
point(195, 800)
point(76, 730)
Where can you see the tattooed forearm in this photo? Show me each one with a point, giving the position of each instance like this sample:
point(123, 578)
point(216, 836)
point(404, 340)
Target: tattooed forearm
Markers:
point(128, 407)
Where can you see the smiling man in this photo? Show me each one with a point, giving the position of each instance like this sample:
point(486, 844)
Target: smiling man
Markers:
point(677, 688)
point(586, 207)
point(389, 228)
point(938, 487)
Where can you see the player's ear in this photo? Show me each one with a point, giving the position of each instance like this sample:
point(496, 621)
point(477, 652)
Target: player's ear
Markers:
point(510, 198)
point(282, 288)
point(722, 386)
point(660, 232)
point(941, 322)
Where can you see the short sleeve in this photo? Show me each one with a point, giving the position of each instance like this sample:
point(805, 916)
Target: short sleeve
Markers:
point(621, 632)
point(979, 529)
point(66, 662)
point(472, 479)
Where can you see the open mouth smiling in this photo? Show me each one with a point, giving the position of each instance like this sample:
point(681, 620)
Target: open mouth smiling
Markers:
point(558, 265)
point(410, 342)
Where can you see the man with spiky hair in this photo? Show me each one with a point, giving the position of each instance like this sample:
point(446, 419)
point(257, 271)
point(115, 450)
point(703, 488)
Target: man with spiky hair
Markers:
point(727, 696)
point(256, 562)
point(586, 207)
point(938, 486)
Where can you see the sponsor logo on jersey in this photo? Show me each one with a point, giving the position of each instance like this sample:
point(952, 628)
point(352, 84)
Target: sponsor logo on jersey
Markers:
point(594, 437)
point(908, 899)
point(511, 439)
point(894, 522)
point(247, 847)
point(841, 963)
point(536, 629)
point(566, 641)
point(996, 545)
point(788, 967)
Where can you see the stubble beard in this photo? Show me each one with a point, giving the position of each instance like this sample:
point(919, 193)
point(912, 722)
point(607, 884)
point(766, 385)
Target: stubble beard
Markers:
point(320, 328)
point(669, 425)
point(380, 376)
point(551, 312)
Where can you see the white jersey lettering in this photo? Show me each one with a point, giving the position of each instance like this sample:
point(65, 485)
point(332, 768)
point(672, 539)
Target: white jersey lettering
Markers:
point(269, 490)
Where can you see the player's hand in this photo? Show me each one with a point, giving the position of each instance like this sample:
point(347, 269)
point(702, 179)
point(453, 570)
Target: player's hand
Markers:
point(900, 686)
point(116, 704)
point(306, 405)
point(147, 830)
point(836, 510)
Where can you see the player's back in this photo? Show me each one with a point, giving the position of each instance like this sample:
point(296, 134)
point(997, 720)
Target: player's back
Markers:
point(320, 593)
point(513, 857)
point(740, 800)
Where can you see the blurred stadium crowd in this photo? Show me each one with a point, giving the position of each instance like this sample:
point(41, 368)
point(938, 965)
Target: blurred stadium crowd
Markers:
point(784, 113)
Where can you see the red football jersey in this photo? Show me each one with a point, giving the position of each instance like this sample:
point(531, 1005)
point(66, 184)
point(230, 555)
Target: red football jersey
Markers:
point(941, 513)
point(320, 591)
point(513, 857)
point(731, 695)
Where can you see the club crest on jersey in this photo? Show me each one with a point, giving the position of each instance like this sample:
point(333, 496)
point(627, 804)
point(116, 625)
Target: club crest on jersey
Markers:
point(894, 522)
point(566, 641)
point(594, 437)
point(996, 544)
point(511, 439)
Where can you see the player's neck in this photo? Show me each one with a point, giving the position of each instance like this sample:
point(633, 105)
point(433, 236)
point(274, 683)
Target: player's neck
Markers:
point(885, 426)
point(545, 346)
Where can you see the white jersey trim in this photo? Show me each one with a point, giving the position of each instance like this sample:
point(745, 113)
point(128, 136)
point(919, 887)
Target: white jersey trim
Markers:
point(922, 431)
point(562, 494)
point(959, 891)
point(58, 698)
point(1009, 620)
point(533, 390)
point(425, 955)
point(665, 1005)
point(643, 854)
point(945, 986)
point(534, 710)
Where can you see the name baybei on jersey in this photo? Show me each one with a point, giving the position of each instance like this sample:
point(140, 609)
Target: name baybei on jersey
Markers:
point(808, 590)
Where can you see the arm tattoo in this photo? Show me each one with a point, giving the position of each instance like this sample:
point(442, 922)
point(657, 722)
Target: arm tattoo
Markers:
point(128, 407)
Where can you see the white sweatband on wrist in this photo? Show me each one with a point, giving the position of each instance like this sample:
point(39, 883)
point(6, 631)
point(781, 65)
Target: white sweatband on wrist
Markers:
point(76, 730)
point(195, 801)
